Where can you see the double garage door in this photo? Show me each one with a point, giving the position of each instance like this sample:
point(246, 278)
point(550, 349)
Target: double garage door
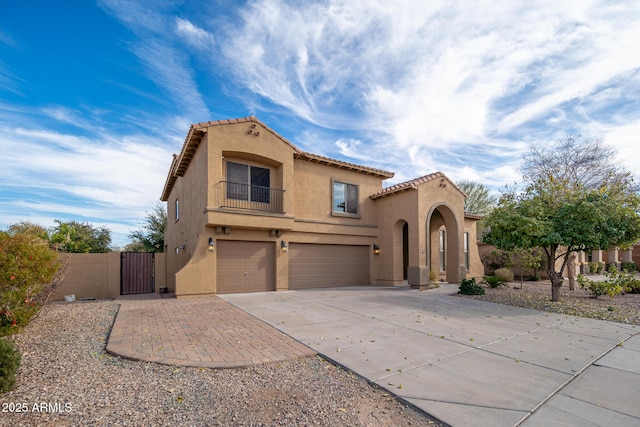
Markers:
point(250, 266)
point(323, 266)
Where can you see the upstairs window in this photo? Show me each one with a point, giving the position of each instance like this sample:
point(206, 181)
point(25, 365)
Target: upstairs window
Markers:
point(177, 210)
point(345, 198)
point(245, 182)
point(442, 250)
point(466, 250)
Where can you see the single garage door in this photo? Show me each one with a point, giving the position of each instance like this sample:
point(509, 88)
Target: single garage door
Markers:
point(322, 266)
point(245, 266)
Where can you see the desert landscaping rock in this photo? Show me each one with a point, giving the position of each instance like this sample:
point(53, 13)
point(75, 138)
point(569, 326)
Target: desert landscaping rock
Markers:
point(66, 378)
point(578, 302)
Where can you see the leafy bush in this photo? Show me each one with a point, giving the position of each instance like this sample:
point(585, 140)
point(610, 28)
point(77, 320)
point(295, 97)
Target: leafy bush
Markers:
point(27, 265)
point(505, 274)
point(629, 267)
point(626, 280)
point(609, 287)
point(495, 259)
point(470, 287)
point(9, 364)
point(494, 281)
point(533, 278)
point(596, 267)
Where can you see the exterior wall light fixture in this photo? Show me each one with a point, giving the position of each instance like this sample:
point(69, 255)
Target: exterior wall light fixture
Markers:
point(284, 246)
point(212, 244)
point(376, 249)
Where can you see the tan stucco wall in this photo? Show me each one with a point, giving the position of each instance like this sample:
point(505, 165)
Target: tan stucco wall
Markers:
point(393, 211)
point(307, 206)
point(90, 276)
point(182, 234)
point(431, 204)
point(98, 275)
point(313, 185)
point(476, 269)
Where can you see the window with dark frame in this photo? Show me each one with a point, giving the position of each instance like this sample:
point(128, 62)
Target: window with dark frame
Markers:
point(443, 263)
point(246, 182)
point(466, 250)
point(345, 198)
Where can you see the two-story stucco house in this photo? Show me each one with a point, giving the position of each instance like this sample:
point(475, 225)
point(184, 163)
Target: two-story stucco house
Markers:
point(249, 211)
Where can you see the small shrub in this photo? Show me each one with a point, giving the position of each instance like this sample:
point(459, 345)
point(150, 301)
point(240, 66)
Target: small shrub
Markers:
point(9, 364)
point(433, 277)
point(629, 267)
point(598, 288)
point(596, 267)
point(533, 278)
point(494, 281)
point(470, 287)
point(628, 281)
point(27, 267)
point(505, 274)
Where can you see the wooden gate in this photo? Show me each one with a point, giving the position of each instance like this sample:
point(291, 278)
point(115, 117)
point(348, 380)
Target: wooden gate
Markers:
point(136, 273)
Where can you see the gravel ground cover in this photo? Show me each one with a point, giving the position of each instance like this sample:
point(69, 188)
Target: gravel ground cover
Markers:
point(67, 379)
point(537, 295)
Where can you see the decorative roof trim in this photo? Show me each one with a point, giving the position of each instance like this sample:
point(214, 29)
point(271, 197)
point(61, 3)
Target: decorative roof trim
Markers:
point(343, 165)
point(414, 184)
point(473, 216)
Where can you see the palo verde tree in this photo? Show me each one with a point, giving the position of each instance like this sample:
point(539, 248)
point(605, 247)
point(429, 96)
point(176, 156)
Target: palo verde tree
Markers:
point(581, 202)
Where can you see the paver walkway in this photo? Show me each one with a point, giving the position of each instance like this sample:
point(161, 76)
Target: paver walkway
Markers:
point(206, 332)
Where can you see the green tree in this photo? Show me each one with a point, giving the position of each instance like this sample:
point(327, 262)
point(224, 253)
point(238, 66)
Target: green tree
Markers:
point(479, 199)
point(526, 259)
point(578, 205)
point(80, 237)
point(150, 237)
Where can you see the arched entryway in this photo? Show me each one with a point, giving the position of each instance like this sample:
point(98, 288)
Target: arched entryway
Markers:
point(443, 244)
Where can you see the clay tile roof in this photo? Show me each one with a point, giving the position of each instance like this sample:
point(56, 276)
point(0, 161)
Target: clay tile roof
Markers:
point(343, 165)
point(473, 216)
point(413, 185)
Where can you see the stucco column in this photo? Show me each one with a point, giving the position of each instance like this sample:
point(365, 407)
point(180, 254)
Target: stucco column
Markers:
point(612, 257)
point(596, 255)
point(581, 262)
point(627, 255)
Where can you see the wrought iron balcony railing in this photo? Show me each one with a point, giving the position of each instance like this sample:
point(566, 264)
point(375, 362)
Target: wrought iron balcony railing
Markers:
point(251, 197)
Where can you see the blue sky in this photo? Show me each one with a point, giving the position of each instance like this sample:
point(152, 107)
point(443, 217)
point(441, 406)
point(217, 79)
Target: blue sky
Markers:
point(95, 97)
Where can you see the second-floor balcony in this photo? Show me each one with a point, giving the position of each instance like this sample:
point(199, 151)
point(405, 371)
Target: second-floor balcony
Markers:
point(250, 197)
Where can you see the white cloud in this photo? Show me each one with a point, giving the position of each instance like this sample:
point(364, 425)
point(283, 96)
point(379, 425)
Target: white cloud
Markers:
point(417, 79)
point(118, 179)
point(193, 35)
point(626, 141)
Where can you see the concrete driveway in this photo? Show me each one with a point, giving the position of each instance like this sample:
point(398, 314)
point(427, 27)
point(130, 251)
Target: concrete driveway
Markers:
point(467, 362)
